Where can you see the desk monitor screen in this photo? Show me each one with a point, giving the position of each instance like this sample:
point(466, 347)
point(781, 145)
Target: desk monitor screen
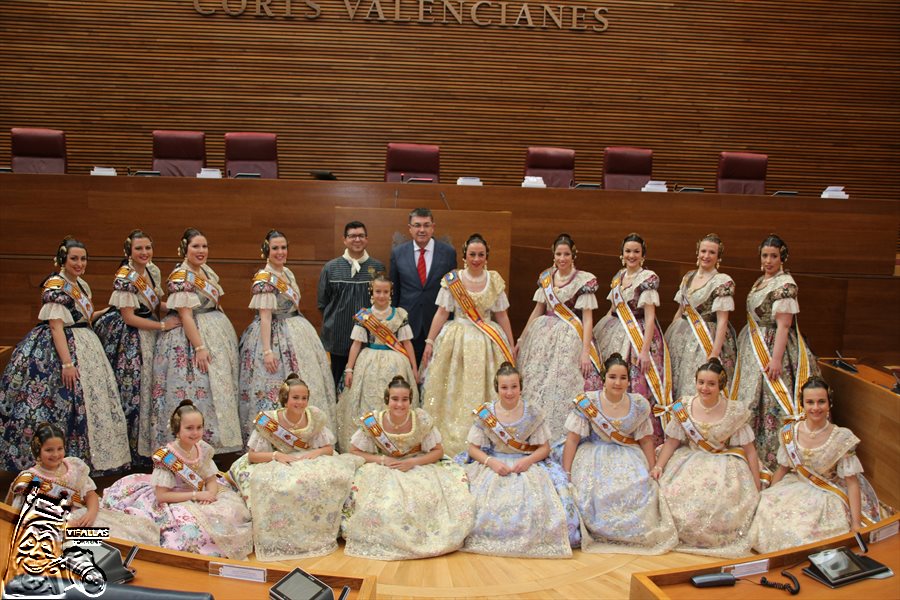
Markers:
point(323, 175)
point(587, 186)
point(300, 585)
point(147, 173)
point(785, 193)
point(420, 180)
point(691, 189)
point(836, 564)
point(247, 176)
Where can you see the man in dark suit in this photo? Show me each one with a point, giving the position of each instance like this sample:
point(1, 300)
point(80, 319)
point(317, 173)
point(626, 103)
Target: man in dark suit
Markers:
point(416, 271)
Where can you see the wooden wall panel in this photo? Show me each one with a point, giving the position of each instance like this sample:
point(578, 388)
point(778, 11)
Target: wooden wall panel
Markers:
point(812, 84)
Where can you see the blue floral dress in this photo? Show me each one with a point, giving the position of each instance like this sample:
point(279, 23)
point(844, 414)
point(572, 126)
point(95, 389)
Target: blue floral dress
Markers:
point(130, 350)
point(32, 391)
point(530, 514)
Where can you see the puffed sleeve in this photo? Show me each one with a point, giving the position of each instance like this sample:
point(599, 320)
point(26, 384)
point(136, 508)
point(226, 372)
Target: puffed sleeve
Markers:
point(404, 332)
point(162, 477)
point(258, 443)
point(431, 439)
point(785, 300)
point(586, 300)
point(540, 435)
point(501, 304)
point(539, 296)
point(182, 300)
point(723, 297)
point(577, 423)
point(478, 437)
point(359, 334)
point(644, 428)
point(782, 456)
point(52, 310)
point(363, 441)
point(849, 465)
point(445, 299)
point(675, 430)
point(87, 484)
point(744, 435)
point(649, 291)
point(264, 296)
point(324, 438)
point(122, 299)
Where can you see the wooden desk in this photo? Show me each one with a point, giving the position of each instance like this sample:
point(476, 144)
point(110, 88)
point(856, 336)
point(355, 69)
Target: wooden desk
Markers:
point(676, 583)
point(172, 570)
point(872, 411)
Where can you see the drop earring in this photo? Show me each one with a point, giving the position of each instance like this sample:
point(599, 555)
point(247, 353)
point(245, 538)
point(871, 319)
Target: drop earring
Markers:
point(698, 261)
point(718, 263)
point(642, 262)
point(622, 258)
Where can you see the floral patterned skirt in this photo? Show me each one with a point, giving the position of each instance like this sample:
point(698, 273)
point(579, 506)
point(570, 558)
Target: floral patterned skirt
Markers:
point(712, 499)
point(31, 391)
point(296, 342)
point(218, 529)
point(215, 394)
point(296, 507)
point(372, 373)
point(392, 515)
point(688, 355)
point(520, 514)
point(549, 362)
point(619, 502)
point(130, 353)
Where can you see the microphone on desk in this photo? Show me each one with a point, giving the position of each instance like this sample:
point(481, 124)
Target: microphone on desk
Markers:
point(396, 197)
point(444, 198)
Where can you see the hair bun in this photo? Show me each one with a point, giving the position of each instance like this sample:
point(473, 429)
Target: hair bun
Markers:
point(715, 359)
point(616, 355)
point(397, 379)
point(184, 403)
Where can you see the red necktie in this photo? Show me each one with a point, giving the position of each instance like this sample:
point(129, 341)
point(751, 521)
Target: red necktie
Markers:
point(423, 274)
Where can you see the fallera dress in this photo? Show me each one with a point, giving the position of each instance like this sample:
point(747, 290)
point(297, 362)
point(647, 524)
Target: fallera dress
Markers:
point(32, 391)
point(765, 300)
point(617, 499)
point(396, 515)
point(375, 366)
point(712, 497)
point(794, 512)
point(550, 353)
point(528, 514)
point(75, 478)
point(295, 345)
point(460, 376)
point(129, 349)
point(717, 294)
point(611, 337)
point(296, 507)
point(175, 378)
point(219, 529)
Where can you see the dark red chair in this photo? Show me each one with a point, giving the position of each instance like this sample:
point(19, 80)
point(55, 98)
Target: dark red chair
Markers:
point(626, 168)
point(555, 165)
point(419, 161)
point(248, 152)
point(742, 173)
point(38, 150)
point(179, 153)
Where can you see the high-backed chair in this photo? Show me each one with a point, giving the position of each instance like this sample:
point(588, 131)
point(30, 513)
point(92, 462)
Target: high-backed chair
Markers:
point(249, 152)
point(422, 161)
point(626, 168)
point(555, 165)
point(38, 150)
point(742, 173)
point(179, 153)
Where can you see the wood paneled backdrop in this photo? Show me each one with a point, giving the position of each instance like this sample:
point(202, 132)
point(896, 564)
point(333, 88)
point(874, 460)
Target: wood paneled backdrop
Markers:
point(812, 84)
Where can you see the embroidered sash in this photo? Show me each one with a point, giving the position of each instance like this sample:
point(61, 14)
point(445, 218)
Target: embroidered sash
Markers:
point(281, 284)
point(584, 403)
point(789, 439)
point(565, 313)
point(370, 422)
point(490, 421)
point(128, 274)
point(45, 486)
point(201, 285)
point(462, 297)
point(270, 428)
point(790, 404)
point(379, 329)
point(167, 459)
point(74, 292)
point(661, 386)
